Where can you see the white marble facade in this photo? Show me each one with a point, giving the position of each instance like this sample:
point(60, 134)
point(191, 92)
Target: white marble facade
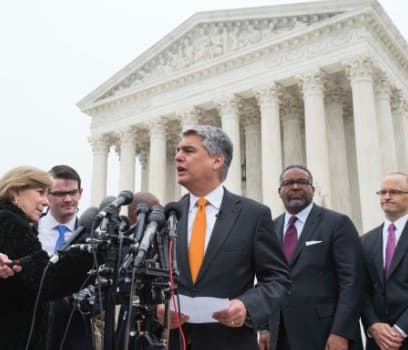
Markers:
point(323, 84)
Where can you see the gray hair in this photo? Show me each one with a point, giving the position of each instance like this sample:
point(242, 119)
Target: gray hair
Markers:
point(215, 141)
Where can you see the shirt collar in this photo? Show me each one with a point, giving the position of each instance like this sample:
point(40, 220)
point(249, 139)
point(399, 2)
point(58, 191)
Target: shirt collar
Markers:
point(399, 224)
point(51, 222)
point(214, 198)
point(302, 215)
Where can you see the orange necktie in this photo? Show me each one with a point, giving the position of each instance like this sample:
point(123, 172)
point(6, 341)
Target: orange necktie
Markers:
point(197, 240)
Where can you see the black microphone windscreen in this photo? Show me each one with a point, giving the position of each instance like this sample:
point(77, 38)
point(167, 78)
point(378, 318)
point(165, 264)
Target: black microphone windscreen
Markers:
point(172, 207)
point(142, 208)
point(88, 217)
point(127, 196)
point(157, 215)
point(106, 201)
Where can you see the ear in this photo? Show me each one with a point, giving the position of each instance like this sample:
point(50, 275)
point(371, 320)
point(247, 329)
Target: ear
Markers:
point(13, 195)
point(218, 161)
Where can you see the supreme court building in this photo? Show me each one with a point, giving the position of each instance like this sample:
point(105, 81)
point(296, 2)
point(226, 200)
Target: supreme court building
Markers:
point(323, 84)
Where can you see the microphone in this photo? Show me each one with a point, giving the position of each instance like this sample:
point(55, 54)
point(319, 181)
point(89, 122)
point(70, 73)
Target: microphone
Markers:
point(124, 223)
point(155, 222)
point(85, 223)
point(124, 198)
point(172, 212)
point(142, 209)
point(106, 201)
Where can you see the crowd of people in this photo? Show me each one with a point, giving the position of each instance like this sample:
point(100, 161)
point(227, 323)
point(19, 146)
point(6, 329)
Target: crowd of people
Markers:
point(302, 281)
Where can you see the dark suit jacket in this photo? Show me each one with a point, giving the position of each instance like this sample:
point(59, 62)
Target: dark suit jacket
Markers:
point(385, 301)
point(327, 282)
point(242, 245)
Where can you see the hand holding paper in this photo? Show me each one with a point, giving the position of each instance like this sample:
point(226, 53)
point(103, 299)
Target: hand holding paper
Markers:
point(234, 315)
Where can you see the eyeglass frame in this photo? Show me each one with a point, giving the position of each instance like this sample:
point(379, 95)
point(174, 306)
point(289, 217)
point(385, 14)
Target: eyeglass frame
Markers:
point(63, 194)
point(390, 192)
point(299, 182)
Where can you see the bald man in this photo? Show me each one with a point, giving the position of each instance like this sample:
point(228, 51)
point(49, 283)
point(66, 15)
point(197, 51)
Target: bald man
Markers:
point(140, 197)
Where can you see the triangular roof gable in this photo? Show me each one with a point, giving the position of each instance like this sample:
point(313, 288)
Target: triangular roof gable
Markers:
point(206, 36)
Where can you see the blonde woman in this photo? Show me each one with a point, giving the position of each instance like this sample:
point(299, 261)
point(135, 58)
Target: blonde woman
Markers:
point(23, 197)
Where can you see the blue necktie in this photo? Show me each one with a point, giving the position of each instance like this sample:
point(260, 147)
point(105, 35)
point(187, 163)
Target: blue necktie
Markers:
point(61, 233)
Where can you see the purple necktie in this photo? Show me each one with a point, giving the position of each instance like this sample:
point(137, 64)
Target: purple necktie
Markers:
point(291, 238)
point(390, 248)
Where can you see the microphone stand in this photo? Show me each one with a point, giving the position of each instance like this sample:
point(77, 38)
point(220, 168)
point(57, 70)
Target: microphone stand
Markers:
point(110, 269)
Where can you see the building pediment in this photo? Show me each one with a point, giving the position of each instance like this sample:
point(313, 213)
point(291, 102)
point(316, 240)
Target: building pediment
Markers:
point(210, 36)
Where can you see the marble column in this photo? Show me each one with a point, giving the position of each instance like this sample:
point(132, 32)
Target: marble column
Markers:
point(271, 146)
point(385, 125)
point(399, 116)
point(171, 175)
point(317, 148)
point(144, 165)
point(352, 172)
point(293, 141)
point(360, 72)
point(157, 160)
point(100, 149)
point(340, 185)
point(228, 109)
point(188, 118)
point(253, 158)
point(127, 160)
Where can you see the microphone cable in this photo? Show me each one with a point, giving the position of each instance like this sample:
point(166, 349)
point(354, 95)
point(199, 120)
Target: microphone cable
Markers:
point(173, 297)
point(37, 299)
point(71, 314)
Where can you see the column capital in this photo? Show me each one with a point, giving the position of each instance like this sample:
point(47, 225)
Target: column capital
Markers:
point(291, 108)
point(268, 95)
point(334, 92)
point(249, 114)
point(383, 86)
point(189, 116)
point(156, 126)
point(227, 104)
point(399, 103)
point(359, 67)
point(100, 143)
point(312, 83)
point(127, 136)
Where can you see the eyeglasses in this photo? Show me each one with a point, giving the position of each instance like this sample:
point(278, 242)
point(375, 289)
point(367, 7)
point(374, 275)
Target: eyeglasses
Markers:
point(391, 192)
point(63, 194)
point(299, 182)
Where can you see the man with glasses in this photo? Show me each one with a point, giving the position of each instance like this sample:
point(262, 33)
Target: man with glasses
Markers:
point(323, 250)
point(385, 249)
point(55, 227)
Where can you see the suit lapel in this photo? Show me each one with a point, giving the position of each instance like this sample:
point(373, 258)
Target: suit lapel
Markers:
point(182, 241)
point(279, 222)
point(229, 211)
point(309, 227)
point(400, 250)
point(377, 251)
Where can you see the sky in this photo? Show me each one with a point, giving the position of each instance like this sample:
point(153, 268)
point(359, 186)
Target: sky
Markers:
point(53, 53)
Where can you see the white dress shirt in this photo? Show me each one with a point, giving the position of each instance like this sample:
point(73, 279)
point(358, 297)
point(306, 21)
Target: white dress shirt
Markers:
point(212, 209)
point(48, 233)
point(399, 227)
point(301, 218)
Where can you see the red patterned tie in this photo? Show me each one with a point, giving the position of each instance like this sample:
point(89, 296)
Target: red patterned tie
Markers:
point(291, 238)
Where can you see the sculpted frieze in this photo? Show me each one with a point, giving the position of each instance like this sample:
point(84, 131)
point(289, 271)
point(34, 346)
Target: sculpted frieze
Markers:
point(209, 41)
